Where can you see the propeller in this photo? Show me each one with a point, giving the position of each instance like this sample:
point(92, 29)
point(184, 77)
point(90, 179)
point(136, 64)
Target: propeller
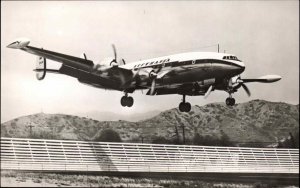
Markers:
point(153, 76)
point(241, 84)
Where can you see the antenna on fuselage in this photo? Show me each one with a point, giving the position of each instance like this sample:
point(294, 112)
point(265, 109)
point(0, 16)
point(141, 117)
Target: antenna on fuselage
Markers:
point(218, 48)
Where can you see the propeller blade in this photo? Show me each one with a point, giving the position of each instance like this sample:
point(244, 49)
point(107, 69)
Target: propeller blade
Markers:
point(152, 89)
point(115, 52)
point(246, 89)
point(208, 91)
point(123, 61)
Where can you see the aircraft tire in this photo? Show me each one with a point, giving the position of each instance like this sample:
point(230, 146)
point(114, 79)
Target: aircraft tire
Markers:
point(181, 107)
point(227, 101)
point(230, 101)
point(184, 107)
point(188, 107)
point(124, 101)
point(129, 101)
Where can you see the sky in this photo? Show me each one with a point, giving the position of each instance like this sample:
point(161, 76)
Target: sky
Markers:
point(264, 34)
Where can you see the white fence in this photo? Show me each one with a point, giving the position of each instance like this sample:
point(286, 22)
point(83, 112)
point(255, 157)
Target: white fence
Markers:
point(63, 155)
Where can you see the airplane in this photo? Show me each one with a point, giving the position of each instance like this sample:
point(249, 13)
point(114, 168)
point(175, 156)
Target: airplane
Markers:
point(186, 74)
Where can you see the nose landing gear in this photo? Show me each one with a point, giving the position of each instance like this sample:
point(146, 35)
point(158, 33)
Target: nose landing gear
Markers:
point(127, 101)
point(184, 106)
point(230, 101)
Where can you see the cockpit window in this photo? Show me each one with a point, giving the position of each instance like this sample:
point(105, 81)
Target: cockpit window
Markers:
point(231, 58)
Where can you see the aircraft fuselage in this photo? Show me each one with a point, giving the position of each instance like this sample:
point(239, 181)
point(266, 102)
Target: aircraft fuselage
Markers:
point(193, 67)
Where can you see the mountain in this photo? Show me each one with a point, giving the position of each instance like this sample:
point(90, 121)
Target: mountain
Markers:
point(111, 116)
point(253, 121)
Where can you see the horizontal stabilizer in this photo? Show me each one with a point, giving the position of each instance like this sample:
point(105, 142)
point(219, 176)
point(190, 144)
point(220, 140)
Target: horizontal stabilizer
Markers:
point(47, 70)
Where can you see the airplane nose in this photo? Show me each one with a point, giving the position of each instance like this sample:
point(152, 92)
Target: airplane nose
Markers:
point(237, 67)
point(241, 66)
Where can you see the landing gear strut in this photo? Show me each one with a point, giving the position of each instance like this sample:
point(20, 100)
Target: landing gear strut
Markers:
point(126, 101)
point(184, 106)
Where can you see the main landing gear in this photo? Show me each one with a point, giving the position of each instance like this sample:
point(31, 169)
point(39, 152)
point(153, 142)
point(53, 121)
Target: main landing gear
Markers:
point(126, 101)
point(184, 106)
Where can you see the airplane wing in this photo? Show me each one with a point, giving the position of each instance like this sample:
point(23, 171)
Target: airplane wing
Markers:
point(68, 60)
point(80, 68)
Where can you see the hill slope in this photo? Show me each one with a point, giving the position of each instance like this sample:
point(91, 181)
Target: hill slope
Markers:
point(111, 116)
point(256, 120)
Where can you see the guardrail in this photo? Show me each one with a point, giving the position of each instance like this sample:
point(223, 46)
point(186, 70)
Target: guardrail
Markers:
point(64, 155)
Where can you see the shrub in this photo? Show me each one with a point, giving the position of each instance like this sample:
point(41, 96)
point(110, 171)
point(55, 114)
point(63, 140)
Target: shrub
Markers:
point(160, 140)
point(108, 135)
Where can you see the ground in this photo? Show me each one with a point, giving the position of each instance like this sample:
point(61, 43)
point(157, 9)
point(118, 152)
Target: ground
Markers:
point(30, 179)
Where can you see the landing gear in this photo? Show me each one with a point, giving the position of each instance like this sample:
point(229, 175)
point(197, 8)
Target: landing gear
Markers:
point(230, 101)
point(126, 101)
point(184, 106)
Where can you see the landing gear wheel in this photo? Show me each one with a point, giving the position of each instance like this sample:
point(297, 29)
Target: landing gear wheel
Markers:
point(185, 107)
point(188, 107)
point(230, 101)
point(126, 101)
point(181, 106)
point(129, 101)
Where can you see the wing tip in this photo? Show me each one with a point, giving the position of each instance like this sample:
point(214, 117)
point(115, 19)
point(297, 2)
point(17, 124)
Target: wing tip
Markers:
point(271, 78)
point(19, 43)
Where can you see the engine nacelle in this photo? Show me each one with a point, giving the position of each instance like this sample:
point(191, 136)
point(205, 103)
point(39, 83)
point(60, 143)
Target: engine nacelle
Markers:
point(41, 67)
point(105, 64)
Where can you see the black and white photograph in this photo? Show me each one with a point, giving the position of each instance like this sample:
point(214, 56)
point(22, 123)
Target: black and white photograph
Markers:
point(150, 94)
